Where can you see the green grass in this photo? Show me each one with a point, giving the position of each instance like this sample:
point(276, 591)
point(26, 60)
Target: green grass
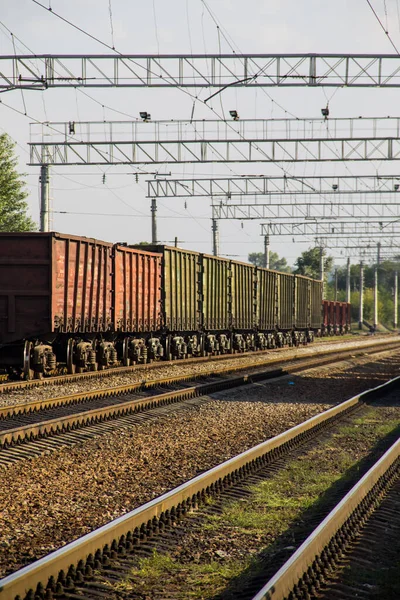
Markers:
point(197, 577)
point(271, 510)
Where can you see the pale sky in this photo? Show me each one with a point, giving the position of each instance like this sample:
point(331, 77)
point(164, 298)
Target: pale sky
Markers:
point(184, 27)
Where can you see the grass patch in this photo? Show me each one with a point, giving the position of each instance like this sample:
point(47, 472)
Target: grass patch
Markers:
point(255, 524)
point(192, 578)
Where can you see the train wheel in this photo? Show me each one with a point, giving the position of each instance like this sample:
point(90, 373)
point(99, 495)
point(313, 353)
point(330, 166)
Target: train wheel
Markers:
point(125, 353)
point(28, 372)
point(71, 367)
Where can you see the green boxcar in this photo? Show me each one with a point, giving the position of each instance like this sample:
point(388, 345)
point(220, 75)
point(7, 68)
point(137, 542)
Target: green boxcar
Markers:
point(302, 284)
point(286, 301)
point(244, 300)
point(216, 293)
point(181, 287)
point(267, 299)
point(316, 303)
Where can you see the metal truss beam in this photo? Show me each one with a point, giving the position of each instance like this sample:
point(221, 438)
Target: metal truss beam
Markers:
point(129, 153)
point(259, 140)
point(357, 243)
point(332, 228)
point(306, 210)
point(214, 130)
point(205, 70)
point(270, 186)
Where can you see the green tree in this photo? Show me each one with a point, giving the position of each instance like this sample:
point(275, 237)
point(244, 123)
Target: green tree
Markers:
point(275, 262)
point(13, 208)
point(308, 263)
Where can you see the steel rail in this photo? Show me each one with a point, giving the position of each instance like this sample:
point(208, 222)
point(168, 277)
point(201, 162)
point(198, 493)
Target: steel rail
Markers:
point(156, 513)
point(292, 572)
point(38, 405)
point(67, 423)
point(70, 378)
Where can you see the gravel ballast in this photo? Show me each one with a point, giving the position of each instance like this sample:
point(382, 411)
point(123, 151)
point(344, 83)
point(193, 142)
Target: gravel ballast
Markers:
point(20, 396)
point(48, 501)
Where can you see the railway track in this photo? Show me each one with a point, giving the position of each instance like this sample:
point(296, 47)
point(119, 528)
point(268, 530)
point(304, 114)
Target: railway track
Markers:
point(351, 553)
point(272, 356)
point(28, 430)
point(87, 567)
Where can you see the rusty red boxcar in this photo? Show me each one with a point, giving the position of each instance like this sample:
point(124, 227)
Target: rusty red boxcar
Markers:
point(52, 283)
point(137, 302)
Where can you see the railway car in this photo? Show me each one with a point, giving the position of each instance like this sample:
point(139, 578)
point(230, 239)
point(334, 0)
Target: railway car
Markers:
point(71, 300)
point(336, 317)
point(85, 304)
point(345, 317)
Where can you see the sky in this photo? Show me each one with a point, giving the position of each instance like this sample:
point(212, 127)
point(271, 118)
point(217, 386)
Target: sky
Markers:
point(110, 203)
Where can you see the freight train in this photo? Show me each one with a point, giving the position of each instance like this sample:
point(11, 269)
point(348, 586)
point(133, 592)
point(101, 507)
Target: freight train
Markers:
point(86, 304)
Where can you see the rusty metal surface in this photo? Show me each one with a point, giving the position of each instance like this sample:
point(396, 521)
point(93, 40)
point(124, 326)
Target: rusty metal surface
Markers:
point(80, 274)
point(137, 290)
point(280, 586)
point(28, 577)
point(53, 282)
point(25, 285)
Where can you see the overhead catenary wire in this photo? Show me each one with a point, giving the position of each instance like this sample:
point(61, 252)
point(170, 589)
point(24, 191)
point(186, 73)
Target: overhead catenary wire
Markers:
point(383, 27)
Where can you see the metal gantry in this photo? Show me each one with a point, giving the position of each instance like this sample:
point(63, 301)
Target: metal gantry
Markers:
point(333, 229)
point(257, 140)
point(229, 187)
point(307, 210)
point(198, 70)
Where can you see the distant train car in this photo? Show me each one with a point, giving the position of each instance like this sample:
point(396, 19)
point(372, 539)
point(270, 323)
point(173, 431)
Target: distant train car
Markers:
point(336, 317)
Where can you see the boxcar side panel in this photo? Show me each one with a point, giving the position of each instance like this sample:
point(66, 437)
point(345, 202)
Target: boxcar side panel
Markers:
point(180, 283)
point(25, 285)
point(286, 301)
point(267, 282)
point(316, 303)
point(82, 270)
point(302, 302)
point(216, 301)
point(243, 296)
point(136, 290)
point(325, 313)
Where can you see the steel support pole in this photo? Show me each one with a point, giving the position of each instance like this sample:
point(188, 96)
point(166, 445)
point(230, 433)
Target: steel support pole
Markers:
point(215, 235)
point(322, 269)
point(154, 221)
point(336, 284)
point(378, 254)
point(266, 250)
point(396, 291)
point(376, 316)
point(361, 308)
point(44, 198)
point(348, 281)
